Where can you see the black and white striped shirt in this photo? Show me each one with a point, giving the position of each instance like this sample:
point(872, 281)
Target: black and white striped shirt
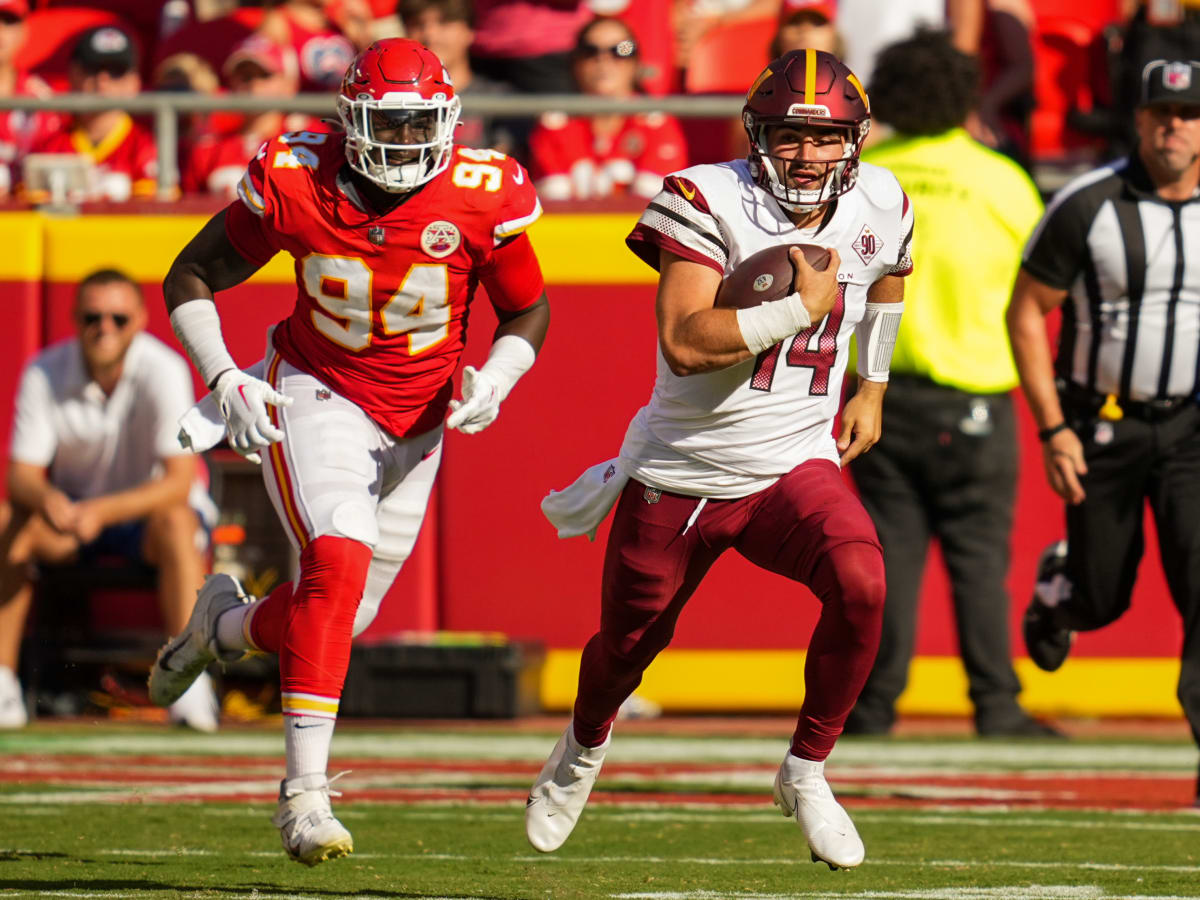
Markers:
point(1130, 262)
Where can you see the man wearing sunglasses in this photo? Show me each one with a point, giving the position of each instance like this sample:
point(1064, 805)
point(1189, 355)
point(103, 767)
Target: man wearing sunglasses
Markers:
point(96, 470)
point(105, 62)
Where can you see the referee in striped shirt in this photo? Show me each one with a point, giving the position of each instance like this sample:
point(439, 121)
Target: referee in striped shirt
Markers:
point(1119, 251)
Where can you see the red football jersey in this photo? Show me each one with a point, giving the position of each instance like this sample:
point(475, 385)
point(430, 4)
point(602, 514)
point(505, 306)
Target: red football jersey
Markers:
point(21, 130)
point(570, 162)
point(126, 160)
point(217, 162)
point(382, 299)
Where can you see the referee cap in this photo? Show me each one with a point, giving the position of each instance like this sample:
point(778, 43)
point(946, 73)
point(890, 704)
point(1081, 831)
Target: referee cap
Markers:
point(1167, 81)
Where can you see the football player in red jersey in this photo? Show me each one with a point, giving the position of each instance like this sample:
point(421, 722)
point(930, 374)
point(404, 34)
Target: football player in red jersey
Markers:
point(391, 227)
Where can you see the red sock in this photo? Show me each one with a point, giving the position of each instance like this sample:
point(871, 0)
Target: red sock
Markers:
point(270, 615)
point(315, 648)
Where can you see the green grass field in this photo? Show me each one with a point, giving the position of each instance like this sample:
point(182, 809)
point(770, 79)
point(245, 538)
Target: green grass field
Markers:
point(146, 813)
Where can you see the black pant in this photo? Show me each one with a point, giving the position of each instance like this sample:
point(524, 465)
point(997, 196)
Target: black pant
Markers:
point(1131, 461)
point(945, 468)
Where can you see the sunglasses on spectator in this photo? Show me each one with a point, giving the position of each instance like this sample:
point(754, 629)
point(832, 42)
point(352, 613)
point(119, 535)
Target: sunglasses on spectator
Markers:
point(112, 70)
point(92, 319)
point(624, 50)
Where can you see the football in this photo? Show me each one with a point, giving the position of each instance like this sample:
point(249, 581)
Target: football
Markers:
point(766, 275)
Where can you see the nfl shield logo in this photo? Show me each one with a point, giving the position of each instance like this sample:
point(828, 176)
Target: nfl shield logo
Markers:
point(375, 235)
point(1177, 76)
point(652, 495)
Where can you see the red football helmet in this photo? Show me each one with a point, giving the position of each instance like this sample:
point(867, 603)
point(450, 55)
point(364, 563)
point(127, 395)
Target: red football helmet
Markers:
point(399, 110)
point(814, 88)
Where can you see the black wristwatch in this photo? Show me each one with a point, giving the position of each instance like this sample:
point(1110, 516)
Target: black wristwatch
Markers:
point(1045, 434)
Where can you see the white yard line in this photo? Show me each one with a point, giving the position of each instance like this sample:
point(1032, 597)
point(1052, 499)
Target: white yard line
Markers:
point(901, 755)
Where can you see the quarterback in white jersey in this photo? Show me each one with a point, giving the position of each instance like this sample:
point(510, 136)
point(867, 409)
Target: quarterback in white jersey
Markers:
point(735, 430)
point(735, 449)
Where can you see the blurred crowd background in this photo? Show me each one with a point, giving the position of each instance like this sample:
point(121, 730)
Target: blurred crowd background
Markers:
point(1056, 95)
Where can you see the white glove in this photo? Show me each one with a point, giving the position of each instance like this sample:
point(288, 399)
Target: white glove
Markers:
point(243, 402)
point(480, 403)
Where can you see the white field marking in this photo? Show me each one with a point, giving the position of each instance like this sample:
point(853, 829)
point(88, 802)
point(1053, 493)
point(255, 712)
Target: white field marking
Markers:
point(770, 816)
point(1031, 892)
point(693, 860)
point(253, 895)
point(930, 754)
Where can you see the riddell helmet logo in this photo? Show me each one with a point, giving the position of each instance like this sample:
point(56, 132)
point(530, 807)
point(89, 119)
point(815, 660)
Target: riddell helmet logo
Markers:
point(440, 239)
point(867, 244)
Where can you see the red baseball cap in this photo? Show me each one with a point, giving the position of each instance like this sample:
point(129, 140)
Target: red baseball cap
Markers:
point(824, 8)
point(15, 9)
point(263, 52)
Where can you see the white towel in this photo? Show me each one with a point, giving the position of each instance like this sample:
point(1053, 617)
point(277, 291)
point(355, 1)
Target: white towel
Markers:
point(203, 427)
point(580, 508)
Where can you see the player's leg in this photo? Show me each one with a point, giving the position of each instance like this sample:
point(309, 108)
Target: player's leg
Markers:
point(24, 538)
point(887, 483)
point(1092, 584)
point(1175, 499)
point(809, 527)
point(169, 543)
point(652, 564)
point(408, 481)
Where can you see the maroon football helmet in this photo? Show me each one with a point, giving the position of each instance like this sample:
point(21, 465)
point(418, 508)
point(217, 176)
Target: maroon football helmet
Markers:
point(397, 86)
point(806, 87)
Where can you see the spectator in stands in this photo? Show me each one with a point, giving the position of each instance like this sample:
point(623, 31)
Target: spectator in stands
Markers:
point(446, 28)
point(189, 73)
point(258, 67)
point(806, 24)
point(104, 62)
point(947, 467)
point(96, 471)
point(692, 19)
point(322, 47)
point(599, 156)
point(527, 43)
point(867, 26)
point(1006, 55)
point(20, 130)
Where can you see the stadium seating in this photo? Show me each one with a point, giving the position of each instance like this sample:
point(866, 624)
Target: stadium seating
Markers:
point(52, 34)
point(728, 58)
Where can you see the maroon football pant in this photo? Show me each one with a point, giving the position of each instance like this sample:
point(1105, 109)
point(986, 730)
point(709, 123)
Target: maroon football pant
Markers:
point(808, 526)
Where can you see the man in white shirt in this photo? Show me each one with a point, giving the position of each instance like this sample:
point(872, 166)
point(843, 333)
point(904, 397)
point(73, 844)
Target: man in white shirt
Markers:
point(96, 469)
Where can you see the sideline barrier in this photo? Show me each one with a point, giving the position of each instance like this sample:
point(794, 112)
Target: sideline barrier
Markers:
point(488, 561)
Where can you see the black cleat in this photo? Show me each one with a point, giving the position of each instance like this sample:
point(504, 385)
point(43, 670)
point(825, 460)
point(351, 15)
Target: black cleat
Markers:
point(1045, 641)
point(1021, 725)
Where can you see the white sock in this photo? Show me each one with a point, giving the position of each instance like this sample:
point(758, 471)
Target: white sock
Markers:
point(231, 627)
point(307, 740)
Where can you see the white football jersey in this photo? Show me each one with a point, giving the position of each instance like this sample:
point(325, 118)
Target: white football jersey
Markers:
point(735, 431)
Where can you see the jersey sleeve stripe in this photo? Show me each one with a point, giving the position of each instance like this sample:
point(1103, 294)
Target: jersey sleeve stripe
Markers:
point(657, 208)
point(249, 196)
point(645, 242)
point(516, 226)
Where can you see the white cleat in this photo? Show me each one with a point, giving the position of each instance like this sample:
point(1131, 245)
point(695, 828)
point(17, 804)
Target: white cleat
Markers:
point(306, 823)
point(183, 658)
point(802, 792)
point(12, 704)
point(561, 791)
point(198, 708)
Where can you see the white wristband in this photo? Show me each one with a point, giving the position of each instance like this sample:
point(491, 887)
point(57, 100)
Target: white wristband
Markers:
point(509, 359)
point(876, 335)
point(198, 328)
point(767, 324)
